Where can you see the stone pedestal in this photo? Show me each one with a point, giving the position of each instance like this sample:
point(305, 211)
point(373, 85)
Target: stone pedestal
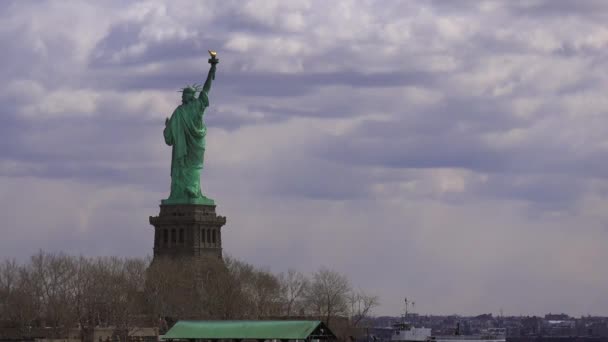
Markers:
point(187, 230)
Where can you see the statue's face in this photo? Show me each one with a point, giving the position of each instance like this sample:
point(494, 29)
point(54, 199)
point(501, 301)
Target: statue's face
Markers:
point(187, 96)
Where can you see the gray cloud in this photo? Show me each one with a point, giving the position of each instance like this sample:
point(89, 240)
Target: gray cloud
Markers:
point(436, 138)
point(113, 49)
point(559, 8)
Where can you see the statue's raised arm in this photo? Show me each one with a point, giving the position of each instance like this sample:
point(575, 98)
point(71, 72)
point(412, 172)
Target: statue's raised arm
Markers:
point(211, 75)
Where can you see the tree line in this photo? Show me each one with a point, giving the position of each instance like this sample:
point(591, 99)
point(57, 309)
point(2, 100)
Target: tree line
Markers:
point(59, 292)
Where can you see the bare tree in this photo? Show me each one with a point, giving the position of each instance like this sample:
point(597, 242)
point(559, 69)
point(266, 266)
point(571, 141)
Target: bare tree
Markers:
point(100, 284)
point(48, 278)
point(9, 283)
point(264, 294)
point(108, 291)
point(227, 289)
point(327, 295)
point(127, 296)
point(83, 285)
point(360, 306)
point(293, 288)
point(16, 301)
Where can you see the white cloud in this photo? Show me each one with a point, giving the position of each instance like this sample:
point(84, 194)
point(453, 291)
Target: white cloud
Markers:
point(69, 102)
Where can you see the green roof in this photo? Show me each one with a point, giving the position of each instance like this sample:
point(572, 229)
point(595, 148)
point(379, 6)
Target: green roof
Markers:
point(289, 330)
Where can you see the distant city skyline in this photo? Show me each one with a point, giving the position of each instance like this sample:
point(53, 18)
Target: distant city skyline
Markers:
point(451, 152)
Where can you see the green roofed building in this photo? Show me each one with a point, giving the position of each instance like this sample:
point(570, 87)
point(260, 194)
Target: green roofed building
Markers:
point(249, 330)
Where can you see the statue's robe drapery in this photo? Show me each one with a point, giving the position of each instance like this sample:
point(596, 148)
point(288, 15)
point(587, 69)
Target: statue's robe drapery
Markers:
point(185, 132)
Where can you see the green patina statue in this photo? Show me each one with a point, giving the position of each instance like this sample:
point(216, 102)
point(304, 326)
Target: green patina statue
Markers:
point(186, 131)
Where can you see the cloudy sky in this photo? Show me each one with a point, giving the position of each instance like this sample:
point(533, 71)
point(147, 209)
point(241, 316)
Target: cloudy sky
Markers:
point(454, 152)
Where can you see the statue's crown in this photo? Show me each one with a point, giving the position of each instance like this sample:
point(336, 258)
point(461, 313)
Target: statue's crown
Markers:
point(192, 89)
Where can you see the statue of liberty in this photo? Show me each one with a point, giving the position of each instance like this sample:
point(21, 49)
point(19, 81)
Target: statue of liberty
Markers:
point(185, 131)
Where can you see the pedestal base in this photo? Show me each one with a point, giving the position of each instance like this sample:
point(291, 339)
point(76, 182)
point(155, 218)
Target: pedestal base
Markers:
point(187, 231)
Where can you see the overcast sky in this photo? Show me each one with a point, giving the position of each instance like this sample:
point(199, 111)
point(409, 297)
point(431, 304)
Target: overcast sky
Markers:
point(454, 152)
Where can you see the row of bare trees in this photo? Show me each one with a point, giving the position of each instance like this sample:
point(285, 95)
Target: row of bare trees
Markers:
point(59, 292)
